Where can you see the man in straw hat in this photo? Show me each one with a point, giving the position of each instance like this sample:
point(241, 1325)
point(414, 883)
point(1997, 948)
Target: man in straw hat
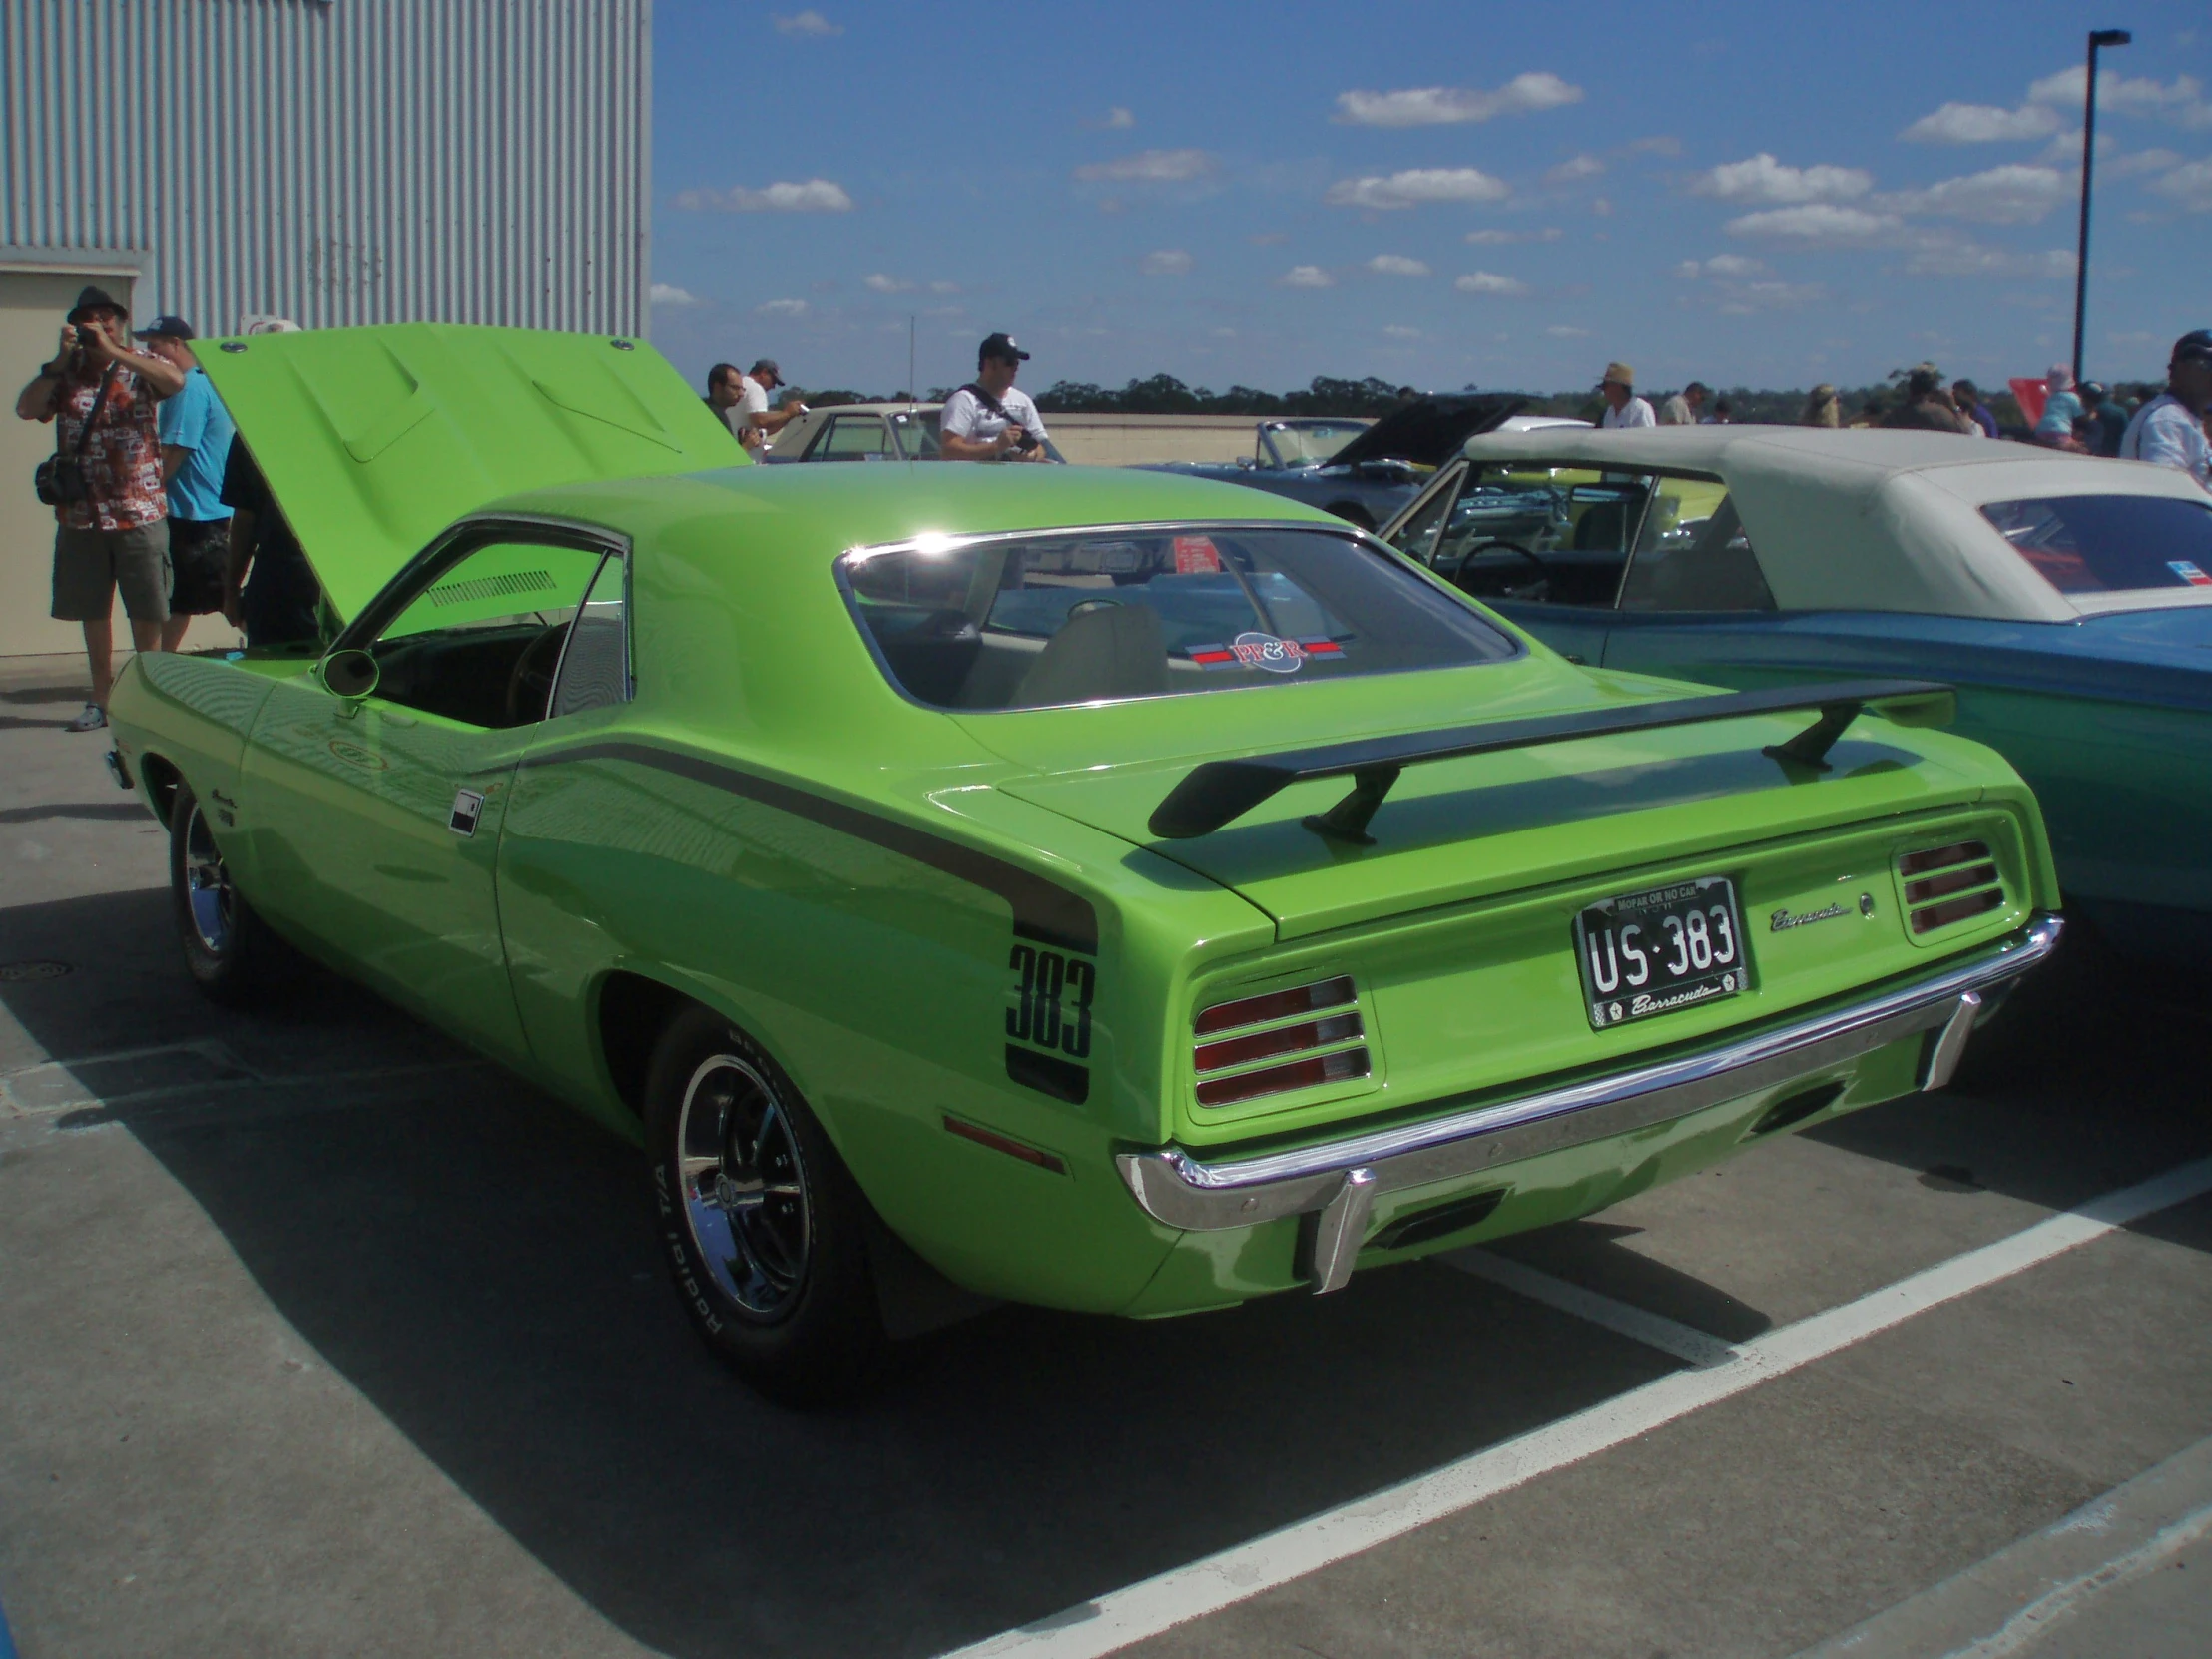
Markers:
point(1622, 407)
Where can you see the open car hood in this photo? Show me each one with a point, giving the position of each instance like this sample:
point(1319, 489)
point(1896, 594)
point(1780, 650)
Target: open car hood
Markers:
point(1429, 432)
point(374, 440)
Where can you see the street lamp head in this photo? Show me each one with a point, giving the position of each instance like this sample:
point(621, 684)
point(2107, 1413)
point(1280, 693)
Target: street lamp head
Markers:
point(2110, 37)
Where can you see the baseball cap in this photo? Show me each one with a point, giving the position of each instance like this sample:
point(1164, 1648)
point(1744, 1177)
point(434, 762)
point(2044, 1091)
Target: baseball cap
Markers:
point(167, 328)
point(2196, 345)
point(766, 366)
point(1619, 374)
point(1001, 346)
point(96, 299)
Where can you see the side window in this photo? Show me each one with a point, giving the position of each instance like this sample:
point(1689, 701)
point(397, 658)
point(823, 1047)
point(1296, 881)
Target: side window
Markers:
point(1540, 534)
point(1693, 554)
point(1416, 537)
point(479, 642)
point(853, 439)
point(595, 668)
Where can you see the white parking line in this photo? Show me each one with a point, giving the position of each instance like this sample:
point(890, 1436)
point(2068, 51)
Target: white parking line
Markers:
point(1699, 1348)
point(2040, 1616)
point(1236, 1574)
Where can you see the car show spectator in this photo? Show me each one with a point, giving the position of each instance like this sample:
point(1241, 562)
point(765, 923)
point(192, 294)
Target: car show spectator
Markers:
point(2060, 410)
point(196, 433)
point(1623, 409)
point(1724, 414)
point(269, 588)
point(105, 484)
point(1967, 397)
point(756, 423)
point(2107, 420)
point(2169, 430)
point(724, 395)
point(1927, 407)
point(991, 420)
point(1686, 406)
point(1822, 407)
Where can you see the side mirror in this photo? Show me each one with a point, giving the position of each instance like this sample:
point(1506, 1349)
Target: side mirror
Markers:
point(349, 674)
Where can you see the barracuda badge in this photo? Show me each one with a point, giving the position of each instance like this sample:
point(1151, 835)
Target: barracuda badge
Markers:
point(1782, 920)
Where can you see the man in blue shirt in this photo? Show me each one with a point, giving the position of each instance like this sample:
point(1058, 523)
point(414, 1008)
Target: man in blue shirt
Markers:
point(194, 432)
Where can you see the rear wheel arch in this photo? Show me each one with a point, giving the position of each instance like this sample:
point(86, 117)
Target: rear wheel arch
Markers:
point(631, 1012)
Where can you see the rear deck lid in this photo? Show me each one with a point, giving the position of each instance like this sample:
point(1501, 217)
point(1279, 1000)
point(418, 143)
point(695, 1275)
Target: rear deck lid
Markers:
point(374, 440)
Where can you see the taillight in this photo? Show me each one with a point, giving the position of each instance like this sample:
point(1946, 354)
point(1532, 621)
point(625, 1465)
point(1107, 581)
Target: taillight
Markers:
point(1246, 1046)
point(1947, 885)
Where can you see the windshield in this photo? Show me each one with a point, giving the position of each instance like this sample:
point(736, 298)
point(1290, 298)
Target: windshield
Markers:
point(1308, 442)
point(1039, 621)
point(2110, 543)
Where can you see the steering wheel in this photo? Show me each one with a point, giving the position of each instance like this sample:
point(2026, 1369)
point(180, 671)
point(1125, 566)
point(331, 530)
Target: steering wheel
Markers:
point(530, 686)
point(1534, 591)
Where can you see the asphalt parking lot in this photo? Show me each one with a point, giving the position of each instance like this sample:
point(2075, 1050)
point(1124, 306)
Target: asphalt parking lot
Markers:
point(318, 1337)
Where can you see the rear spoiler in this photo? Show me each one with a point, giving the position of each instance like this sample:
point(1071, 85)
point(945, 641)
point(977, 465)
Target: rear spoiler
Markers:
point(1217, 793)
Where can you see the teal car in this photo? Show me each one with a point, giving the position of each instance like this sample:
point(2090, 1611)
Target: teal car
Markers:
point(2067, 599)
point(1087, 888)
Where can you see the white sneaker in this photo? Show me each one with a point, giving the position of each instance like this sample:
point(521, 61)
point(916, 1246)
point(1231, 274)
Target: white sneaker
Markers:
point(93, 717)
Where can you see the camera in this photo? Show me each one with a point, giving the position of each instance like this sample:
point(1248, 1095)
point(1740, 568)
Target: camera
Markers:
point(86, 337)
point(1025, 442)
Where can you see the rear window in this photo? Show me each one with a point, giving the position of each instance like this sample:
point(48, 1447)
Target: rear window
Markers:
point(2110, 543)
point(1037, 622)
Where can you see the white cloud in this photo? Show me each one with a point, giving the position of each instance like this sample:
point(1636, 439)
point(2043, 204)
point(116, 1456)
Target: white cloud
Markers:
point(1446, 106)
point(1500, 239)
point(882, 284)
point(1152, 166)
point(1421, 184)
point(2015, 193)
point(1762, 179)
point(1568, 172)
point(1815, 223)
point(1307, 277)
point(1722, 265)
point(1950, 254)
point(815, 196)
point(2119, 95)
point(1982, 124)
point(2136, 161)
point(945, 287)
point(1397, 264)
point(1490, 282)
point(1559, 330)
point(2189, 185)
point(782, 307)
point(1165, 262)
point(1399, 331)
point(1119, 117)
point(808, 23)
point(664, 293)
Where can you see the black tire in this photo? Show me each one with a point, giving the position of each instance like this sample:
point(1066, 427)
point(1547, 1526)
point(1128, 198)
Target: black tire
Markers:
point(764, 1228)
point(229, 950)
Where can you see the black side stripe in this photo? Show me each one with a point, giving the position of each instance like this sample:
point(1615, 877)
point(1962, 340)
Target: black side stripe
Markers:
point(1043, 910)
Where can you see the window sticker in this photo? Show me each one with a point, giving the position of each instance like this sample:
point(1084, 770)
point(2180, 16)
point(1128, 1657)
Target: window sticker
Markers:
point(2189, 573)
point(1265, 651)
point(1196, 556)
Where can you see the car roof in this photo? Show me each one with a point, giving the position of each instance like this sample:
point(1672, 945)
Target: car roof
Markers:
point(1873, 519)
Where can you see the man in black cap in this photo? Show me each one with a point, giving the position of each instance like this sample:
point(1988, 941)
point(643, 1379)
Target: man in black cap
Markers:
point(989, 419)
point(111, 513)
point(2169, 430)
point(195, 433)
point(750, 417)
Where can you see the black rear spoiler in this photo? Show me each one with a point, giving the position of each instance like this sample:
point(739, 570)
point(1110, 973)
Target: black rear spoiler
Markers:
point(1217, 793)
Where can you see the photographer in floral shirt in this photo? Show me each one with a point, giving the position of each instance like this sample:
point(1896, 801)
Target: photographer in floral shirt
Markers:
point(114, 529)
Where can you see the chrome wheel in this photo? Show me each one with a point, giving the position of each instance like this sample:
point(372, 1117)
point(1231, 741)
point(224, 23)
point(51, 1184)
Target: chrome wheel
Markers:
point(208, 891)
point(744, 1186)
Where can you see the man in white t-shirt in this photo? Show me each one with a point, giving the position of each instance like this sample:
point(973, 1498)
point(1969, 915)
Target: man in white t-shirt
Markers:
point(2169, 430)
point(989, 421)
point(751, 419)
point(1622, 407)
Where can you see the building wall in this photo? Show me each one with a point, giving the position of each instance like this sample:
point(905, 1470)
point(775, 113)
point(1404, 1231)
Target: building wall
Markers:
point(336, 161)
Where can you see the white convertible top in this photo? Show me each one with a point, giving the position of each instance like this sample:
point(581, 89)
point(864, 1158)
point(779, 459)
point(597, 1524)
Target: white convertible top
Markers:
point(1875, 520)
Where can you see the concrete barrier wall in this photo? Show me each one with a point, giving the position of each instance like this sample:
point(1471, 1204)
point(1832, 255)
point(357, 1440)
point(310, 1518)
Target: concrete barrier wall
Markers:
point(1133, 441)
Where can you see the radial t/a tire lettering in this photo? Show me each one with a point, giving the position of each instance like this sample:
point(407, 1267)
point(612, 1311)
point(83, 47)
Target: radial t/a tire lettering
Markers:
point(762, 1225)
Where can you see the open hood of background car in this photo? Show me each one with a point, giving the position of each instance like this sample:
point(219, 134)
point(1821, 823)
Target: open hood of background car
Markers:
point(374, 440)
point(1429, 432)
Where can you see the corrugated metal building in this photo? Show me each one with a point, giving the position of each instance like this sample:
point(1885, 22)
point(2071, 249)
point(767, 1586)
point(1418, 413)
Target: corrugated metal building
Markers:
point(336, 161)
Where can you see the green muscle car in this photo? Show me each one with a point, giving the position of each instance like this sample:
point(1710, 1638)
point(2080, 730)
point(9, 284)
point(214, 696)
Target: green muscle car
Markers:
point(1094, 888)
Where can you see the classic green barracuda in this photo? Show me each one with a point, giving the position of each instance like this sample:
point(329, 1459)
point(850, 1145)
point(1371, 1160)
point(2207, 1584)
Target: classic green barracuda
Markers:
point(1101, 889)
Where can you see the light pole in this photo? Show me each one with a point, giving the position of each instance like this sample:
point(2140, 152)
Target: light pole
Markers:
point(2098, 40)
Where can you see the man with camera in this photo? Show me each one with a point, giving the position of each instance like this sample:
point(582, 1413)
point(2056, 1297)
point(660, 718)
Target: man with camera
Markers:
point(987, 420)
point(105, 484)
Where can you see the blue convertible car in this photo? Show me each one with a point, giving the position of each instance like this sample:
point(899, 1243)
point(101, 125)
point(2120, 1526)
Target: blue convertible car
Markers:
point(2068, 599)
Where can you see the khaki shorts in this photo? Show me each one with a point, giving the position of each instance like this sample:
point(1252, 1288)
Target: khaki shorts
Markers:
point(89, 565)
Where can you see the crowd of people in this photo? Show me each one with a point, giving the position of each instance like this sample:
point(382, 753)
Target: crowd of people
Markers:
point(157, 499)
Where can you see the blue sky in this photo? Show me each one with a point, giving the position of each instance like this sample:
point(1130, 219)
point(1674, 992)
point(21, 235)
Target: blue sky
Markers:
point(1440, 194)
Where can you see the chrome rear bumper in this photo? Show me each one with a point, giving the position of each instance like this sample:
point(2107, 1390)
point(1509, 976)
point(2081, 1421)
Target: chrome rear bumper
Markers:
point(1339, 1181)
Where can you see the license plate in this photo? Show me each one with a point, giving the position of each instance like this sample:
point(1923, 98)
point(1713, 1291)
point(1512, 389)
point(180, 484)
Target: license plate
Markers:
point(1648, 953)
